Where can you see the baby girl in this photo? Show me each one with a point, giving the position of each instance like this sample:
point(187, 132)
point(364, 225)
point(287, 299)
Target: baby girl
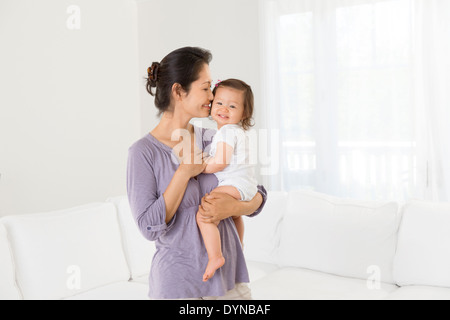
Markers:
point(232, 109)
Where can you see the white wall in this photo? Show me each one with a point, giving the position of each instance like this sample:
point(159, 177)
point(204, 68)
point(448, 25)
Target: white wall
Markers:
point(69, 102)
point(73, 101)
point(229, 29)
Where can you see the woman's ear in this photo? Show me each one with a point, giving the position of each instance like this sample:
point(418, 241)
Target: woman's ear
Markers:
point(178, 92)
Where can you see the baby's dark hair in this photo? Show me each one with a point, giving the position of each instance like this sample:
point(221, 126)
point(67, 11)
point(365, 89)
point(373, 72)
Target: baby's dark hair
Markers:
point(247, 117)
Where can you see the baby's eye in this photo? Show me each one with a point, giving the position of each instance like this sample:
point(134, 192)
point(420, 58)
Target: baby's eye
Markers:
point(232, 107)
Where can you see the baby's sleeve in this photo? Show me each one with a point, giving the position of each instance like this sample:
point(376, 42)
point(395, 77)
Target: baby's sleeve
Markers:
point(228, 135)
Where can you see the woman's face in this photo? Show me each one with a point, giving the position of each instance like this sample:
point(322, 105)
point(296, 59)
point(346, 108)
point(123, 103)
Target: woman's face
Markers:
point(197, 103)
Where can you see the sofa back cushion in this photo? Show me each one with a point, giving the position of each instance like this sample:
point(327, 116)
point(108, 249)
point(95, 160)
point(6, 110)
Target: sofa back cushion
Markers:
point(8, 288)
point(423, 253)
point(262, 233)
point(138, 250)
point(60, 254)
point(343, 237)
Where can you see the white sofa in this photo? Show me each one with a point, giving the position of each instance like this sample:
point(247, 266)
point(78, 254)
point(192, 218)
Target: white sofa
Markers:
point(304, 245)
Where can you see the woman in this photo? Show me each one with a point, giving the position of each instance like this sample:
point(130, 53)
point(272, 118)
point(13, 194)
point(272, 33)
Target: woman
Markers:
point(166, 188)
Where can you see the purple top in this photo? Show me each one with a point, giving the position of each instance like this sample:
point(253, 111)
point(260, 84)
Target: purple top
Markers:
point(181, 258)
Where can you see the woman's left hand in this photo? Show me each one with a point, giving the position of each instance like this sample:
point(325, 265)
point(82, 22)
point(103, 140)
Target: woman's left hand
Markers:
point(218, 206)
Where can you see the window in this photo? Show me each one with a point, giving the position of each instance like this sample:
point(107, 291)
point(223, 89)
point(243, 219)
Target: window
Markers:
point(340, 75)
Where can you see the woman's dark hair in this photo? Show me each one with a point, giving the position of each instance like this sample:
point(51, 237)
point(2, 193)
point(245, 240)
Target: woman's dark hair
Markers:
point(247, 120)
point(181, 66)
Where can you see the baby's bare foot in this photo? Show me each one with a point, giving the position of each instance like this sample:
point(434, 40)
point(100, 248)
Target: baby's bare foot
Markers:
point(213, 265)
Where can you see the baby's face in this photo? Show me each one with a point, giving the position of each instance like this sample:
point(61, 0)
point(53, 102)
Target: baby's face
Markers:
point(227, 106)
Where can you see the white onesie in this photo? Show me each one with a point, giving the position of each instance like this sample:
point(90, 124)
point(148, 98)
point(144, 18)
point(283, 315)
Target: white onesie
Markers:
point(239, 173)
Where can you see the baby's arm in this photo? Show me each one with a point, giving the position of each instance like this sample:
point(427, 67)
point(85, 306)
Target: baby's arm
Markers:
point(221, 160)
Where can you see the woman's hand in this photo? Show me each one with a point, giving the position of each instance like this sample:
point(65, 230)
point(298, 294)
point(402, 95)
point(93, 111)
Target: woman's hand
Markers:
point(218, 206)
point(192, 164)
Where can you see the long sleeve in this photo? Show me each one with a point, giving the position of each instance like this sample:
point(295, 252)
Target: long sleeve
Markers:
point(263, 193)
point(147, 206)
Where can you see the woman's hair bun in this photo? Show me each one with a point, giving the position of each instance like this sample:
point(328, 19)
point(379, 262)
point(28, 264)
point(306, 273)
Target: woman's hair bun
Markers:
point(153, 71)
point(152, 76)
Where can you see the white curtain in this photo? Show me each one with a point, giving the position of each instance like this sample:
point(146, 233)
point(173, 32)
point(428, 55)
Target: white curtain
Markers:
point(359, 92)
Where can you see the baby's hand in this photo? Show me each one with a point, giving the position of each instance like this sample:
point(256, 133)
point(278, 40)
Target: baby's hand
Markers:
point(207, 159)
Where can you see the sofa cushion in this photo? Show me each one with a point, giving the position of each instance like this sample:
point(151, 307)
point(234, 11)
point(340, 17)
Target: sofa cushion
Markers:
point(138, 250)
point(420, 293)
point(262, 233)
point(423, 253)
point(258, 270)
point(343, 237)
point(302, 284)
point(63, 253)
point(8, 288)
point(117, 291)
point(141, 280)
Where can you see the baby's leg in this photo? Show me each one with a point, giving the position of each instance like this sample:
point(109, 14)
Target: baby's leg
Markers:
point(232, 191)
point(211, 237)
point(238, 221)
